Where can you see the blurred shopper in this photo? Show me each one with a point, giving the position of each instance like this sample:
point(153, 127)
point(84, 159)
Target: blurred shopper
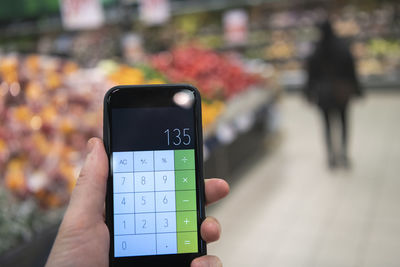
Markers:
point(332, 82)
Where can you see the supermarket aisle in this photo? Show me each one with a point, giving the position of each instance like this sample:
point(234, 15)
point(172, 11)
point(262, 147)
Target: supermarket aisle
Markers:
point(289, 210)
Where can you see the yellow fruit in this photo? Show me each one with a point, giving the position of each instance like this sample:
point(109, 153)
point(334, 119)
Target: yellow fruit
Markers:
point(53, 80)
point(3, 146)
point(33, 91)
point(15, 178)
point(70, 67)
point(126, 75)
point(42, 145)
point(22, 114)
point(155, 81)
point(49, 114)
point(211, 111)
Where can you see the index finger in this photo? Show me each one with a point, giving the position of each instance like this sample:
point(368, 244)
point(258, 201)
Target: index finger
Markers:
point(216, 189)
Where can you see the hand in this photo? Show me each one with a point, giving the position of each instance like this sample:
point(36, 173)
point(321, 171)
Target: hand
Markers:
point(83, 237)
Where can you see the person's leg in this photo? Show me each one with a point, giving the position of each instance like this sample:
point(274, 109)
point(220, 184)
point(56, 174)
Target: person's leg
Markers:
point(344, 123)
point(326, 114)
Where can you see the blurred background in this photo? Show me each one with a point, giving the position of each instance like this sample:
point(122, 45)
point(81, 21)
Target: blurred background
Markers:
point(289, 205)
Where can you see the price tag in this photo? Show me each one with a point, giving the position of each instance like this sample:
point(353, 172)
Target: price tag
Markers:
point(153, 12)
point(81, 14)
point(235, 27)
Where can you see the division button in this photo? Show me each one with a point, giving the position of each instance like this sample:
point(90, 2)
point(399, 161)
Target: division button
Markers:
point(184, 159)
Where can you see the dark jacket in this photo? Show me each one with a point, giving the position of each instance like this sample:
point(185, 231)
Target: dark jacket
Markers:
point(332, 79)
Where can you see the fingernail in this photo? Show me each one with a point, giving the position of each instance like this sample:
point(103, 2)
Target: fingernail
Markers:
point(90, 144)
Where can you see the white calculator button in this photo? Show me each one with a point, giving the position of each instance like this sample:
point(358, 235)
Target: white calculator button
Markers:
point(164, 160)
point(144, 181)
point(135, 245)
point(122, 162)
point(165, 201)
point(165, 180)
point(166, 222)
point(143, 161)
point(124, 203)
point(123, 182)
point(145, 223)
point(166, 243)
point(124, 224)
point(144, 202)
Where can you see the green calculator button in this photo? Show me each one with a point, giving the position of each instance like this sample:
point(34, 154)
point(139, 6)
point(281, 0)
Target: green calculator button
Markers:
point(186, 200)
point(184, 159)
point(185, 180)
point(187, 242)
point(186, 221)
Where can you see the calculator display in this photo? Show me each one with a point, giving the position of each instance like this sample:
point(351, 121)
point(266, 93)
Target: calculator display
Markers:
point(154, 181)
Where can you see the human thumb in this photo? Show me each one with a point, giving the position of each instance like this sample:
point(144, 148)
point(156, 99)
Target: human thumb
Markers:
point(89, 193)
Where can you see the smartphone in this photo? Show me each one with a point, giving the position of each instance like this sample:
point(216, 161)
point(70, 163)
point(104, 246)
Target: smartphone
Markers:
point(155, 191)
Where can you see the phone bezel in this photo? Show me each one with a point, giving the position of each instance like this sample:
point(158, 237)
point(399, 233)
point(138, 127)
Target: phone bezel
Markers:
point(153, 96)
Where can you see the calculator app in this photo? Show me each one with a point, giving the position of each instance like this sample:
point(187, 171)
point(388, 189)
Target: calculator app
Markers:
point(154, 182)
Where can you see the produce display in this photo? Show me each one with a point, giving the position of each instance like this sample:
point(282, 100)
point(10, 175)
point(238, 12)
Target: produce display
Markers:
point(217, 76)
point(285, 38)
point(47, 114)
point(50, 107)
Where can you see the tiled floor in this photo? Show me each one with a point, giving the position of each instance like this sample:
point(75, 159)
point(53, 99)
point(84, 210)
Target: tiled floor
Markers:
point(290, 210)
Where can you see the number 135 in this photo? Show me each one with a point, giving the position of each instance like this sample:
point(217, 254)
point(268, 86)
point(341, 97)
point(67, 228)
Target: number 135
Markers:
point(178, 136)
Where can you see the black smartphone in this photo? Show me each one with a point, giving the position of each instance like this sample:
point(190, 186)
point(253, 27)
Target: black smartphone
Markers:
point(155, 191)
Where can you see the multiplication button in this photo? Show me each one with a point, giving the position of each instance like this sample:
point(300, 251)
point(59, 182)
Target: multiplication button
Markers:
point(185, 180)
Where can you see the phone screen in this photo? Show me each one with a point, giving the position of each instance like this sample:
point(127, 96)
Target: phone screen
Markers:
point(155, 193)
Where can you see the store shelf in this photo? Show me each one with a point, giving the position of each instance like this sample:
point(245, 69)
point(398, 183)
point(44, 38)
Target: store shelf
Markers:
point(239, 132)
